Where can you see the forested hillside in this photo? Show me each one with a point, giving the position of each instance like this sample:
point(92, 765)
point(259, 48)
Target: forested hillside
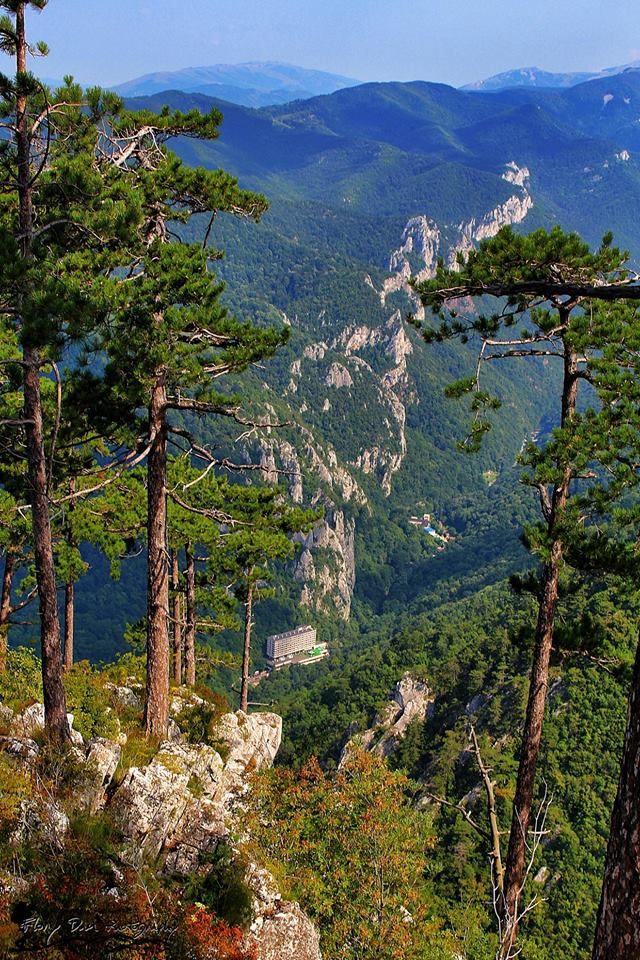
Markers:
point(225, 417)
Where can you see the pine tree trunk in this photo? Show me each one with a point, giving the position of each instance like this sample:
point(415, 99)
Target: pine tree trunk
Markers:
point(5, 606)
point(156, 709)
point(244, 687)
point(177, 619)
point(54, 697)
point(69, 597)
point(618, 927)
point(516, 861)
point(190, 631)
point(69, 613)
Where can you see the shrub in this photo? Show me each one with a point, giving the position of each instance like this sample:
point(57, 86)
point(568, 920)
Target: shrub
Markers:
point(198, 723)
point(223, 889)
point(21, 682)
point(88, 700)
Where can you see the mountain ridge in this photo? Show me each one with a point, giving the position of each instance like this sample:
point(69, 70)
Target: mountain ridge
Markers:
point(540, 79)
point(254, 83)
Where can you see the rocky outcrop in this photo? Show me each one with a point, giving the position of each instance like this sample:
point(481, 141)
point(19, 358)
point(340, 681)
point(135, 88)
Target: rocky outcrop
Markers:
point(177, 808)
point(25, 724)
point(280, 931)
point(187, 791)
point(424, 241)
point(410, 700)
point(384, 458)
point(328, 578)
point(338, 376)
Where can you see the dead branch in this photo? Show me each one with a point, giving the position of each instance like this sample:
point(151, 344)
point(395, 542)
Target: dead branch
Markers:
point(463, 810)
point(495, 854)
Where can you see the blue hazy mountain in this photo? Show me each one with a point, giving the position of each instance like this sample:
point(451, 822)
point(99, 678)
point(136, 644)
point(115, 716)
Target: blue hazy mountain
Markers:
point(537, 78)
point(251, 84)
point(401, 149)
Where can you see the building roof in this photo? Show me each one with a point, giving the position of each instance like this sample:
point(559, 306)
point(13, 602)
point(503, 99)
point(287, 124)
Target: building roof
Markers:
point(290, 633)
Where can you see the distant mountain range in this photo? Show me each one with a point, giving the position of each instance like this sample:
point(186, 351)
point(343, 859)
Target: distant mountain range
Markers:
point(535, 77)
point(369, 185)
point(250, 84)
point(262, 84)
point(394, 149)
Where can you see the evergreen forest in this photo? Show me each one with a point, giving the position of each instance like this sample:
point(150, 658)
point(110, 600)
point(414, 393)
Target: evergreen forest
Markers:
point(364, 361)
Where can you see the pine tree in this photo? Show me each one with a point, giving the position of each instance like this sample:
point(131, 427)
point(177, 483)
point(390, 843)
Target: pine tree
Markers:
point(550, 281)
point(106, 194)
point(265, 527)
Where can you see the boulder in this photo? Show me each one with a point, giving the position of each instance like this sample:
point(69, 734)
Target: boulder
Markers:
point(25, 724)
point(287, 934)
point(280, 929)
point(253, 741)
point(102, 757)
point(42, 819)
point(22, 749)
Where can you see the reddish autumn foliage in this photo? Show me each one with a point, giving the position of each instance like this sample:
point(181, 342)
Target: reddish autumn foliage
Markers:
point(213, 939)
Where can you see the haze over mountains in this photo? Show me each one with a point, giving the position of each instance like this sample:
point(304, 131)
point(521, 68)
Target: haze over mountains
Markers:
point(259, 84)
point(535, 77)
point(251, 84)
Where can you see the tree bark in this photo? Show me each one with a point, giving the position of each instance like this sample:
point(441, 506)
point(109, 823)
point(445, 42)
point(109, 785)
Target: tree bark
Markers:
point(156, 708)
point(190, 631)
point(617, 928)
point(244, 686)
point(5, 606)
point(516, 861)
point(69, 599)
point(54, 697)
point(177, 619)
point(69, 612)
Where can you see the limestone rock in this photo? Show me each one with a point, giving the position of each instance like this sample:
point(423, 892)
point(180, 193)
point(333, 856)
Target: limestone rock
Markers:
point(6, 715)
point(411, 699)
point(20, 748)
point(128, 696)
point(424, 241)
point(42, 819)
point(25, 724)
point(287, 934)
point(253, 740)
point(103, 757)
point(280, 930)
point(179, 806)
point(151, 801)
point(328, 585)
point(179, 802)
point(315, 351)
point(338, 376)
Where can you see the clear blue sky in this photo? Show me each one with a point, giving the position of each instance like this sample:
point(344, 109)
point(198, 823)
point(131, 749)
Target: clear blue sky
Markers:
point(109, 41)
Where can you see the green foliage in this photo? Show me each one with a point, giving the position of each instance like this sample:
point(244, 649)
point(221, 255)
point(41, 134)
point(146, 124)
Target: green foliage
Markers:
point(90, 702)
point(353, 849)
point(198, 723)
point(15, 787)
point(222, 887)
point(21, 682)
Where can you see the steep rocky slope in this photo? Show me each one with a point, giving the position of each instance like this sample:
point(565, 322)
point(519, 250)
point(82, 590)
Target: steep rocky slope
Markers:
point(173, 812)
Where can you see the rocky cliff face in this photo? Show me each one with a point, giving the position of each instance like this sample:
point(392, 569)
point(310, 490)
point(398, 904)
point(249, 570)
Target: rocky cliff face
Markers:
point(351, 388)
point(424, 241)
point(177, 808)
point(410, 700)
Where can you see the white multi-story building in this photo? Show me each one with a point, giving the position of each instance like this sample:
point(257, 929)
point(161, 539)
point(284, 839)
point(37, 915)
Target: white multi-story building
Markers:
point(294, 646)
